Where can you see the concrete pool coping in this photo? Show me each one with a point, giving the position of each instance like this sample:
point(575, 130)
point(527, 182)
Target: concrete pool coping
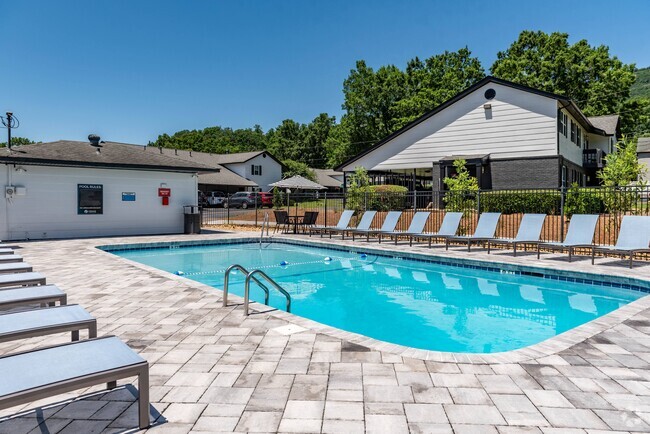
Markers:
point(542, 349)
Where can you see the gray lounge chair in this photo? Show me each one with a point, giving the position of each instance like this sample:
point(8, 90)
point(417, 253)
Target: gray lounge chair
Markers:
point(40, 322)
point(579, 235)
point(45, 372)
point(31, 295)
point(15, 267)
point(529, 232)
point(389, 225)
point(633, 237)
point(485, 230)
point(416, 227)
point(6, 251)
point(343, 223)
point(364, 223)
point(10, 258)
point(21, 279)
point(448, 228)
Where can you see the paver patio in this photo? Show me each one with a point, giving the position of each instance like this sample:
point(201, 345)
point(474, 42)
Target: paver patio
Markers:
point(214, 370)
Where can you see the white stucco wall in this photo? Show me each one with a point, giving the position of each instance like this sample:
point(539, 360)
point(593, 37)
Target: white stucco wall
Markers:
point(271, 171)
point(569, 150)
point(519, 125)
point(49, 209)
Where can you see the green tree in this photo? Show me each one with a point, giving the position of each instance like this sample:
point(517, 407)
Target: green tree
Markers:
point(622, 166)
point(17, 141)
point(358, 183)
point(293, 168)
point(462, 187)
point(597, 81)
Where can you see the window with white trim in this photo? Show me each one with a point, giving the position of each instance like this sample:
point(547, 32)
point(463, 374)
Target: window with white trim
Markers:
point(256, 169)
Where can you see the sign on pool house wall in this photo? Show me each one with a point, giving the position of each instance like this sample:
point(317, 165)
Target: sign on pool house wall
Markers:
point(90, 199)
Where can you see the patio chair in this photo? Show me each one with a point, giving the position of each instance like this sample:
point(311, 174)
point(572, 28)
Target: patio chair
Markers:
point(281, 220)
point(308, 220)
point(40, 322)
point(416, 227)
point(633, 237)
point(389, 225)
point(529, 232)
point(579, 235)
point(15, 267)
point(45, 295)
point(485, 230)
point(21, 279)
point(4, 259)
point(364, 224)
point(343, 223)
point(44, 372)
point(448, 228)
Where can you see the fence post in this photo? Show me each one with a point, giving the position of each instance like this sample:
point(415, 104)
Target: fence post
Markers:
point(478, 201)
point(255, 209)
point(562, 200)
point(228, 210)
point(325, 224)
point(365, 201)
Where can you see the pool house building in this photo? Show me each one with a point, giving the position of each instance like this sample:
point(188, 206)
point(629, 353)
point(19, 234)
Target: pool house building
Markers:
point(511, 136)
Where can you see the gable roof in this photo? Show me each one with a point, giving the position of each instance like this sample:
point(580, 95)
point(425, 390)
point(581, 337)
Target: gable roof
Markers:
point(224, 176)
point(70, 153)
point(324, 178)
point(568, 104)
point(607, 123)
point(643, 145)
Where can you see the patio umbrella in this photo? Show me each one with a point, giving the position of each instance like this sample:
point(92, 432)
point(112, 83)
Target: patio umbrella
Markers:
point(298, 182)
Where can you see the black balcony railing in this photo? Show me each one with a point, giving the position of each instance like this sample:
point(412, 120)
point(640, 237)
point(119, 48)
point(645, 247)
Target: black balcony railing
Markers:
point(593, 159)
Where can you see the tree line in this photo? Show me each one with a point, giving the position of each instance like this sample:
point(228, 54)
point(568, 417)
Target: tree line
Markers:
point(378, 102)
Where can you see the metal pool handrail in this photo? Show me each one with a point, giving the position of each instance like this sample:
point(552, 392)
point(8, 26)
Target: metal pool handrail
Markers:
point(251, 276)
point(226, 279)
point(265, 223)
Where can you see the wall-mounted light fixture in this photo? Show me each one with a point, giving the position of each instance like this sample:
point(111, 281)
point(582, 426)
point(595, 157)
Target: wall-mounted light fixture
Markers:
point(487, 106)
point(20, 169)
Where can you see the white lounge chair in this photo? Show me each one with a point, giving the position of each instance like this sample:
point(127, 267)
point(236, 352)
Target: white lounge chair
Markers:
point(485, 230)
point(343, 223)
point(364, 223)
point(44, 372)
point(579, 235)
point(32, 295)
point(39, 322)
point(416, 227)
point(448, 228)
point(21, 279)
point(389, 225)
point(10, 258)
point(529, 232)
point(15, 267)
point(633, 237)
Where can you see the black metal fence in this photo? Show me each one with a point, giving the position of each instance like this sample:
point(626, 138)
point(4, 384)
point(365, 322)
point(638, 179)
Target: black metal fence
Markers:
point(559, 204)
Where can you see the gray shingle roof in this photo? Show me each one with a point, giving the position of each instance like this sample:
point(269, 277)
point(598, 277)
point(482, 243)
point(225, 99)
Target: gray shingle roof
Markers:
point(109, 154)
point(643, 145)
point(225, 175)
point(324, 178)
point(607, 123)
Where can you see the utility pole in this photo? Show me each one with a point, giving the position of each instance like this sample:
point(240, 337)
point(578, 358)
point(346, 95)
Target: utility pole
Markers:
point(9, 115)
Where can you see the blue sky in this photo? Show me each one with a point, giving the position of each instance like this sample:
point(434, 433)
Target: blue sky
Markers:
point(131, 70)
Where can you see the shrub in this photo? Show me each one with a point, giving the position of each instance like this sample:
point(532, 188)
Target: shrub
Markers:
point(582, 201)
point(386, 197)
point(463, 189)
point(510, 202)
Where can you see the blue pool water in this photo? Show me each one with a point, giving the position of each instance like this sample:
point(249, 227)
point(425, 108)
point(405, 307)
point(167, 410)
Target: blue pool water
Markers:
point(406, 302)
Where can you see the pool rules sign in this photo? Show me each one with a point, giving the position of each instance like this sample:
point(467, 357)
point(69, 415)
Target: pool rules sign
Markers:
point(90, 199)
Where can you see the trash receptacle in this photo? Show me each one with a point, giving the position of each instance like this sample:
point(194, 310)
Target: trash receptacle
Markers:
point(192, 219)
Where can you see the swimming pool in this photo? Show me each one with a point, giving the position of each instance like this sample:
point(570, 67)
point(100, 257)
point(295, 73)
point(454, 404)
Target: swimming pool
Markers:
point(408, 302)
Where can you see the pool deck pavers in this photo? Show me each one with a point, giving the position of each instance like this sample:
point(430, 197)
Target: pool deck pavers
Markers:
point(214, 370)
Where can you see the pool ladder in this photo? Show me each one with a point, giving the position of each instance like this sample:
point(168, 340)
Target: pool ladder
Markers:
point(265, 224)
point(251, 275)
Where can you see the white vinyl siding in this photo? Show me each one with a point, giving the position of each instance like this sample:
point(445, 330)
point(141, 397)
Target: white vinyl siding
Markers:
point(519, 124)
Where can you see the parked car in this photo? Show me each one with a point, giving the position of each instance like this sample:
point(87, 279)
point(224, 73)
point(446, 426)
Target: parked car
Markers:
point(248, 199)
point(216, 198)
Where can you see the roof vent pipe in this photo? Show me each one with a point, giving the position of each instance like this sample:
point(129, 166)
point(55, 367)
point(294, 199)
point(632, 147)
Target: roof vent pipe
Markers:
point(94, 140)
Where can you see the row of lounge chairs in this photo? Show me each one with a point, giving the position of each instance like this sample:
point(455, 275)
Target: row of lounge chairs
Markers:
point(28, 308)
point(633, 237)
